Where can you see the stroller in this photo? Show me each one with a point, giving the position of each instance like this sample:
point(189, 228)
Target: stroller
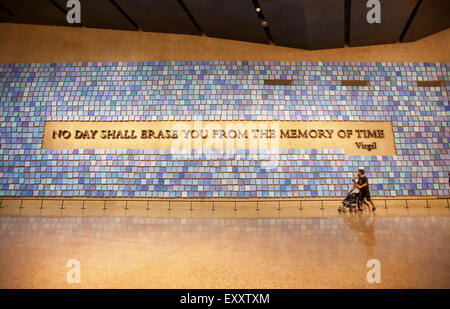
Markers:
point(352, 201)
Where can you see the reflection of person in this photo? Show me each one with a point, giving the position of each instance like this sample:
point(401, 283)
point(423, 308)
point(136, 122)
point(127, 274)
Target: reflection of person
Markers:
point(363, 186)
point(364, 228)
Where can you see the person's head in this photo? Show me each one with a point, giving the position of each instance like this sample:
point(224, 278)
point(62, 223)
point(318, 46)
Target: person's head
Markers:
point(361, 172)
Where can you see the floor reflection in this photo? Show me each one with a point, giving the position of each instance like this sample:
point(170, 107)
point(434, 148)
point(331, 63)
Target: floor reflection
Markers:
point(172, 252)
point(364, 227)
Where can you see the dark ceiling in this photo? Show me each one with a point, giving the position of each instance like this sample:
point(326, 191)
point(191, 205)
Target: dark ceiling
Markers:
point(308, 24)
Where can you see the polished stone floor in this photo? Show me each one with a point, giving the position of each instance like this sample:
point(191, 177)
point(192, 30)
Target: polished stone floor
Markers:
point(225, 248)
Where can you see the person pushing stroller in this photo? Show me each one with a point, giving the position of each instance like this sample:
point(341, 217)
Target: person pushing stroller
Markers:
point(364, 193)
point(358, 195)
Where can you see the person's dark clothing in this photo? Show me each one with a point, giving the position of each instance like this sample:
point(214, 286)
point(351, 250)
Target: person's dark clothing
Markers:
point(364, 192)
point(363, 180)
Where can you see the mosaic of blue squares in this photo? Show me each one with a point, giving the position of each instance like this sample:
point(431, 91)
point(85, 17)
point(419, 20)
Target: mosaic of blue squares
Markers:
point(221, 90)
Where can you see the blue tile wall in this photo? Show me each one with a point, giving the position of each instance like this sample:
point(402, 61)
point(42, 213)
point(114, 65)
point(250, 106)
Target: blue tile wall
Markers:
point(221, 90)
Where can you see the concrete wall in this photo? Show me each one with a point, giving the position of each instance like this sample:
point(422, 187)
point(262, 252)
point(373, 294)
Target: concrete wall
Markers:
point(33, 43)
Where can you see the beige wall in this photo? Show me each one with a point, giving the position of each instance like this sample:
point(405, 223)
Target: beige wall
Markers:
point(347, 135)
point(34, 43)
